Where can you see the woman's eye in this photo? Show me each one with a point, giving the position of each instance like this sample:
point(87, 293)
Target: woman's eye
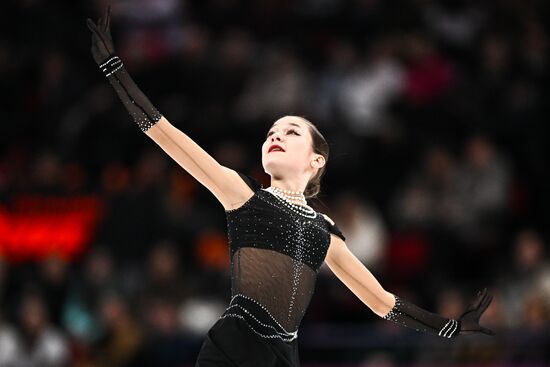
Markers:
point(288, 131)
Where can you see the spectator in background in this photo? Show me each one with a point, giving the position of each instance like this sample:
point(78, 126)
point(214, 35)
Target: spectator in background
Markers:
point(369, 88)
point(280, 84)
point(462, 197)
point(166, 344)
point(9, 344)
point(54, 282)
point(39, 344)
point(429, 75)
point(327, 87)
point(164, 276)
point(235, 60)
point(525, 277)
point(134, 216)
point(183, 216)
point(46, 172)
point(364, 228)
point(123, 336)
point(455, 23)
point(533, 342)
point(483, 184)
point(534, 53)
point(199, 312)
point(4, 284)
point(492, 75)
point(80, 316)
point(156, 25)
point(429, 197)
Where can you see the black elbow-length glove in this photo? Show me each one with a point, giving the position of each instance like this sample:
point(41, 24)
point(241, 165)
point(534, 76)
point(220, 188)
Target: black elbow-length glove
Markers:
point(138, 105)
point(409, 315)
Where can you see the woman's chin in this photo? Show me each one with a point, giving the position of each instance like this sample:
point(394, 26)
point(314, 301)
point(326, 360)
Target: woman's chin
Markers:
point(275, 168)
point(273, 164)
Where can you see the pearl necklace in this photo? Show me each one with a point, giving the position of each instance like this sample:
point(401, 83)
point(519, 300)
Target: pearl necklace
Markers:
point(286, 197)
point(291, 196)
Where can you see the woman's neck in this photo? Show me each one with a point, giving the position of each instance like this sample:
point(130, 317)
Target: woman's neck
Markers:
point(289, 186)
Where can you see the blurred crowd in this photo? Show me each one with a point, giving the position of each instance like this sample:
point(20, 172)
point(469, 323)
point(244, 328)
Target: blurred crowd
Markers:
point(434, 112)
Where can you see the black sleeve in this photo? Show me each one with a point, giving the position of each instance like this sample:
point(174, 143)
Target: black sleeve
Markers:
point(334, 229)
point(250, 181)
point(411, 316)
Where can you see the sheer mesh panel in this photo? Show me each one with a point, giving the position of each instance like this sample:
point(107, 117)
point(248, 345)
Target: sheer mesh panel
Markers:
point(283, 285)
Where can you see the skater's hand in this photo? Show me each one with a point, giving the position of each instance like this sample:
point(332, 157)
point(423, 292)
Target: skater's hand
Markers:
point(469, 320)
point(102, 42)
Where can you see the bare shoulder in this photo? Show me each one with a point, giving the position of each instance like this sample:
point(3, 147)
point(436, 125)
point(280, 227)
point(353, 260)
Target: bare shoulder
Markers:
point(337, 250)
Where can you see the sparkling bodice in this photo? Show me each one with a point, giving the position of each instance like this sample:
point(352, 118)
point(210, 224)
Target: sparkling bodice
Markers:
point(276, 253)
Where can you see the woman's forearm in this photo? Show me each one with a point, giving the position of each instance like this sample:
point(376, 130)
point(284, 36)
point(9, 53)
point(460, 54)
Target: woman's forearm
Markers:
point(191, 157)
point(134, 100)
point(409, 315)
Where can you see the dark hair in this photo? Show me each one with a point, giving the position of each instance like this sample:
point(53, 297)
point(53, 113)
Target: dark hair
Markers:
point(320, 146)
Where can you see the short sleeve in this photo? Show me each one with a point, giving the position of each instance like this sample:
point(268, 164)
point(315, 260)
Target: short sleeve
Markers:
point(250, 181)
point(333, 228)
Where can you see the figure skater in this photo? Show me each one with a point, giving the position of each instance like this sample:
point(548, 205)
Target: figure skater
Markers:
point(277, 241)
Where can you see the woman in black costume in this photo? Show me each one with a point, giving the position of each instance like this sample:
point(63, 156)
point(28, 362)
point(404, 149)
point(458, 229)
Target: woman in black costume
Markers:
point(277, 242)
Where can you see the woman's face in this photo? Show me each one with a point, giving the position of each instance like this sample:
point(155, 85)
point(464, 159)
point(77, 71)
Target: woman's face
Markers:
point(293, 136)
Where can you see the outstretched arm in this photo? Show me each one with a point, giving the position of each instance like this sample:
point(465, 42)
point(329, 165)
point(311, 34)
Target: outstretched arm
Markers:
point(364, 285)
point(224, 183)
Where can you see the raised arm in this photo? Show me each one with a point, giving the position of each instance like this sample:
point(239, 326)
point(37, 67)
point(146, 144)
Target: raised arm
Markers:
point(224, 183)
point(364, 285)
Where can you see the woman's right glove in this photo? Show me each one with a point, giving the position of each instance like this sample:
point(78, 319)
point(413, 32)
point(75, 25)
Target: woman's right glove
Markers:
point(102, 42)
point(138, 105)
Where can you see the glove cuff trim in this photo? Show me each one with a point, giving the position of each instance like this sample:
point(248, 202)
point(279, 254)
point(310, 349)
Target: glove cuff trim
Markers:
point(108, 61)
point(111, 66)
point(450, 329)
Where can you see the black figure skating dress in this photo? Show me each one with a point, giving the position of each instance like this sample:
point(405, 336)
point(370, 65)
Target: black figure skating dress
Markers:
point(276, 252)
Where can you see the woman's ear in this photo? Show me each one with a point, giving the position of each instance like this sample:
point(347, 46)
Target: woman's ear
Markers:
point(318, 162)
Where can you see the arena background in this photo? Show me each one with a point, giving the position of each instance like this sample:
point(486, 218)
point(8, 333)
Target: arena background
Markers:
point(111, 255)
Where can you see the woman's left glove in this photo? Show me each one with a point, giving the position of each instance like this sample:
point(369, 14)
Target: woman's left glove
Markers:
point(469, 320)
point(409, 315)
